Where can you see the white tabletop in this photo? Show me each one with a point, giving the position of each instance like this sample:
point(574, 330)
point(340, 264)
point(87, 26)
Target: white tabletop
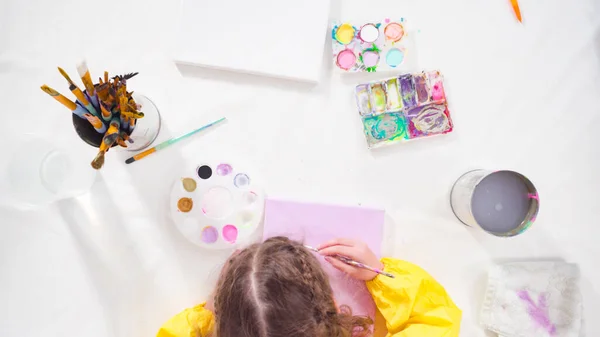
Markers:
point(111, 263)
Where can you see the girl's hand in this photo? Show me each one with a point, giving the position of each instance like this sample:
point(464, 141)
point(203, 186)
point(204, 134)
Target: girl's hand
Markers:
point(355, 250)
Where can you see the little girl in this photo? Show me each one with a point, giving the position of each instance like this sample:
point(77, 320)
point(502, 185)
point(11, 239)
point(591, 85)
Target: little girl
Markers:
point(278, 289)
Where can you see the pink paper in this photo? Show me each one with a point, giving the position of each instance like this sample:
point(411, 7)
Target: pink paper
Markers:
point(314, 224)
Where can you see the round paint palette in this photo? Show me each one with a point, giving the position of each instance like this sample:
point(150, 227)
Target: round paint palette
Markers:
point(215, 205)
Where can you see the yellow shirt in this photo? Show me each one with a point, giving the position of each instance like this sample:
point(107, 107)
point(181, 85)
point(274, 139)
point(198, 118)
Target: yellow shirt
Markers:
point(413, 305)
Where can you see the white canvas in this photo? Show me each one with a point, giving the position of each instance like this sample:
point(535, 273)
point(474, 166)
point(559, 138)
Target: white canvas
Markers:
point(269, 37)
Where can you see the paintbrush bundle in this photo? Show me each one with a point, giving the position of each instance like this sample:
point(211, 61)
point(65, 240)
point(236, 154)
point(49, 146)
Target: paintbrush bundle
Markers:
point(106, 105)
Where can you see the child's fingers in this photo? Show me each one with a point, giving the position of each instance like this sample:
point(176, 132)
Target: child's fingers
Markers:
point(336, 242)
point(340, 250)
point(339, 265)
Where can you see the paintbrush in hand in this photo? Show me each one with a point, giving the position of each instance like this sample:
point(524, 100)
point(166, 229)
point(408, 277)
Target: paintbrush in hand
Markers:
point(353, 263)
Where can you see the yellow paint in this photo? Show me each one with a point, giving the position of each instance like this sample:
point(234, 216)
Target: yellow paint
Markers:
point(345, 33)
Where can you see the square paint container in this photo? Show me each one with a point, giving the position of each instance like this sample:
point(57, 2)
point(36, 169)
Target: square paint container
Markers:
point(373, 46)
point(410, 106)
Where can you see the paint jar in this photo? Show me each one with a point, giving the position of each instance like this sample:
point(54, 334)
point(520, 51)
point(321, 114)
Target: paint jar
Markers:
point(144, 133)
point(501, 203)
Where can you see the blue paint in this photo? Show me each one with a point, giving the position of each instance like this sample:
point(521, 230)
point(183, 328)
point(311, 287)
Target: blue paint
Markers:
point(394, 57)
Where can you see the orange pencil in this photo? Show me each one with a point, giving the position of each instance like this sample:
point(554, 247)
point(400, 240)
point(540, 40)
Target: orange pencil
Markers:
point(515, 6)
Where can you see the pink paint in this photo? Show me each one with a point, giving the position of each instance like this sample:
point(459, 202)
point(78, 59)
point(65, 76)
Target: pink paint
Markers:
point(534, 196)
point(370, 58)
point(230, 233)
point(346, 59)
point(224, 169)
point(437, 86)
point(209, 234)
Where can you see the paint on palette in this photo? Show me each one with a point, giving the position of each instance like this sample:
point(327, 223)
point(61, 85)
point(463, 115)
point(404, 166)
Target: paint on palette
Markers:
point(346, 59)
point(230, 233)
point(209, 234)
point(401, 108)
point(189, 184)
point(241, 180)
point(375, 46)
point(394, 57)
point(378, 100)
point(204, 172)
point(407, 88)
point(393, 96)
point(185, 204)
point(362, 99)
point(394, 32)
point(437, 86)
point(385, 128)
point(429, 120)
point(344, 34)
point(218, 207)
point(421, 88)
point(224, 169)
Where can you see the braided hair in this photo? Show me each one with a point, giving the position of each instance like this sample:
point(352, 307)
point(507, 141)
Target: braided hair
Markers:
point(278, 289)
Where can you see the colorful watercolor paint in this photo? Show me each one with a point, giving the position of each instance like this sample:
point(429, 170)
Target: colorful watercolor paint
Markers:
point(437, 86)
point(378, 100)
point(362, 99)
point(426, 120)
point(421, 88)
point(376, 46)
point(219, 208)
point(407, 88)
point(402, 108)
point(385, 128)
point(393, 96)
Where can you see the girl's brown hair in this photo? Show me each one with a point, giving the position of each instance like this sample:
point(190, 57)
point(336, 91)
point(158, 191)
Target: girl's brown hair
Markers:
point(278, 288)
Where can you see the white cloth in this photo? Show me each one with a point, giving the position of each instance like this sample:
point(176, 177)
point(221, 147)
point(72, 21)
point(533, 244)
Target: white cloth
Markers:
point(526, 299)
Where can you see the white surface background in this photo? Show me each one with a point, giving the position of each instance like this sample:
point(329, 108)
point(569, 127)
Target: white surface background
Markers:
point(523, 97)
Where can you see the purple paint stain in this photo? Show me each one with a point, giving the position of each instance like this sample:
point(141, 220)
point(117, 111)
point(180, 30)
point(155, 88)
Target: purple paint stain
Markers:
point(407, 88)
point(209, 234)
point(538, 312)
point(421, 86)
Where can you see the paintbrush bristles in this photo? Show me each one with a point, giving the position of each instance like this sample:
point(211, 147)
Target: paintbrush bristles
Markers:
point(65, 75)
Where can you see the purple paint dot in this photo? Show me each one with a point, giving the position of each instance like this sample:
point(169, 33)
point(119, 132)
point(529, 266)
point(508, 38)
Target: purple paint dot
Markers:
point(209, 234)
point(224, 169)
point(230, 233)
point(370, 58)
